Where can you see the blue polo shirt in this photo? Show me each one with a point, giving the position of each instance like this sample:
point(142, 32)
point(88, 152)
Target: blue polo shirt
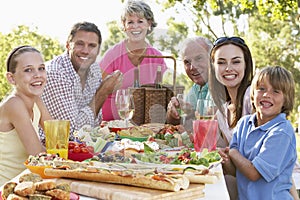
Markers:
point(271, 148)
point(197, 92)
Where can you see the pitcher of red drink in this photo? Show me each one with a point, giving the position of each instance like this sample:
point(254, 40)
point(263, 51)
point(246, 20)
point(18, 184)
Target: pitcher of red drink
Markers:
point(205, 134)
point(205, 127)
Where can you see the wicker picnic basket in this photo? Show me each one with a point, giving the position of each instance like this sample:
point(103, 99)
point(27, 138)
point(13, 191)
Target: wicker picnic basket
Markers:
point(151, 102)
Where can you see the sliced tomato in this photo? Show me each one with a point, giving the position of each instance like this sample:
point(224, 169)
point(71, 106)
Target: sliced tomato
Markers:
point(170, 131)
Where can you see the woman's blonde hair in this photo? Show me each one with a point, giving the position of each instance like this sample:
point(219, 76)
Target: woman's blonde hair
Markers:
point(280, 79)
point(140, 9)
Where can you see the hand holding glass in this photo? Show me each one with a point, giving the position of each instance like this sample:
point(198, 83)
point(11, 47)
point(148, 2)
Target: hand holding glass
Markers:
point(184, 108)
point(125, 104)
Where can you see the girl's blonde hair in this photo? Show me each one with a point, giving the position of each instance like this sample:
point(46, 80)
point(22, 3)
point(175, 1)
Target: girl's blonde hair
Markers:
point(280, 79)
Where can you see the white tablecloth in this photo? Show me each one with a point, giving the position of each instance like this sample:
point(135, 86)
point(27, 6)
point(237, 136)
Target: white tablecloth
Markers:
point(217, 190)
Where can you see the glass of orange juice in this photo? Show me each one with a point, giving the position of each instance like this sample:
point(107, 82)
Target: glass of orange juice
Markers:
point(57, 137)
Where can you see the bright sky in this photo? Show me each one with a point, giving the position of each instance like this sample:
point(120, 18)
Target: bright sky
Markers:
point(56, 17)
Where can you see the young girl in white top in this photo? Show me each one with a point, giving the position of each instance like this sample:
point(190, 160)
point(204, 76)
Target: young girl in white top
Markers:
point(22, 111)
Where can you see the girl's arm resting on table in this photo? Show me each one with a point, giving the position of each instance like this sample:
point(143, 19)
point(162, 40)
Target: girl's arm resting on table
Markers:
point(244, 165)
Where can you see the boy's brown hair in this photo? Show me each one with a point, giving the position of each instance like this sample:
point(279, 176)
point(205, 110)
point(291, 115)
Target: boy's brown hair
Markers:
point(280, 79)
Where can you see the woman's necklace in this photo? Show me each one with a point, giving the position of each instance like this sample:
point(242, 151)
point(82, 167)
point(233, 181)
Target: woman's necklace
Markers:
point(134, 54)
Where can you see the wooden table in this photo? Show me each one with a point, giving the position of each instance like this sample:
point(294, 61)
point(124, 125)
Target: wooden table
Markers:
point(214, 191)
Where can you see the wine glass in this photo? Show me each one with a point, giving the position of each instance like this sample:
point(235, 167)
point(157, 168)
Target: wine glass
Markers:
point(205, 109)
point(183, 107)
point(125, 104)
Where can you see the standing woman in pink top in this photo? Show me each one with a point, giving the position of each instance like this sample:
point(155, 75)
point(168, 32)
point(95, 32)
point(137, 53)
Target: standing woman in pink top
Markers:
point(138, 21)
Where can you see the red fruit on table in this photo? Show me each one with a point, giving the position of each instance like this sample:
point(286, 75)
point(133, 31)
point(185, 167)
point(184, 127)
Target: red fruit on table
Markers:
point(84, 150)
point(77, 149)
point(82, 145)
point(72, 144)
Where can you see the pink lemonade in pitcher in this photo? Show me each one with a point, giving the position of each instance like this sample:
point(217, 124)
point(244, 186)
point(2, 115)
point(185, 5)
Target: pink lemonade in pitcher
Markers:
point(205, 134)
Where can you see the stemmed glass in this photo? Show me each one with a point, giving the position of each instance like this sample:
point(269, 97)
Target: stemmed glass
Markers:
point(183, 107)
point(205, 109)
point(125, 104)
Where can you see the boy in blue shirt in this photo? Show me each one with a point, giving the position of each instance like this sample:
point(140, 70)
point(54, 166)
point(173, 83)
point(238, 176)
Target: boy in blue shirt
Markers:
point(262, 152)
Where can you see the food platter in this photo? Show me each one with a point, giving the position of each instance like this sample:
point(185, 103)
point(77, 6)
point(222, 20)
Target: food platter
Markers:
point(117, 125)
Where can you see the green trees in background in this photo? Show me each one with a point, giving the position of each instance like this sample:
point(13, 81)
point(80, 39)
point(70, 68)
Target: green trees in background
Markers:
point(270, 28)
point(23, 35)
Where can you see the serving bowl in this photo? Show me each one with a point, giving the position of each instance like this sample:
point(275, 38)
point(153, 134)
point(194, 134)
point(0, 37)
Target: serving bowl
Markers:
point(118, 125)
point(39, 170)
point(79, 156)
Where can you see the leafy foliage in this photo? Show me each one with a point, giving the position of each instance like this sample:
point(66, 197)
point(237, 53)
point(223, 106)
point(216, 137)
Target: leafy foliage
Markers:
point(115, 35)
point(270, 28)
point(23, 35)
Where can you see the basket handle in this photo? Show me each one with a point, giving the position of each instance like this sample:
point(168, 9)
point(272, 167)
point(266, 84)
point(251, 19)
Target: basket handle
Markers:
point(169, 57)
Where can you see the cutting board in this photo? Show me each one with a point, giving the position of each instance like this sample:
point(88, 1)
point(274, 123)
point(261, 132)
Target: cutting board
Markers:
point(108, 191)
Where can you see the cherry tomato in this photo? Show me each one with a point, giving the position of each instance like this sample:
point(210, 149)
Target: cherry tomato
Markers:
point(72, 144)
point(77, 149)
point(151, 139)
point(90, 149)
point(82, 145)
point(84, 150)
